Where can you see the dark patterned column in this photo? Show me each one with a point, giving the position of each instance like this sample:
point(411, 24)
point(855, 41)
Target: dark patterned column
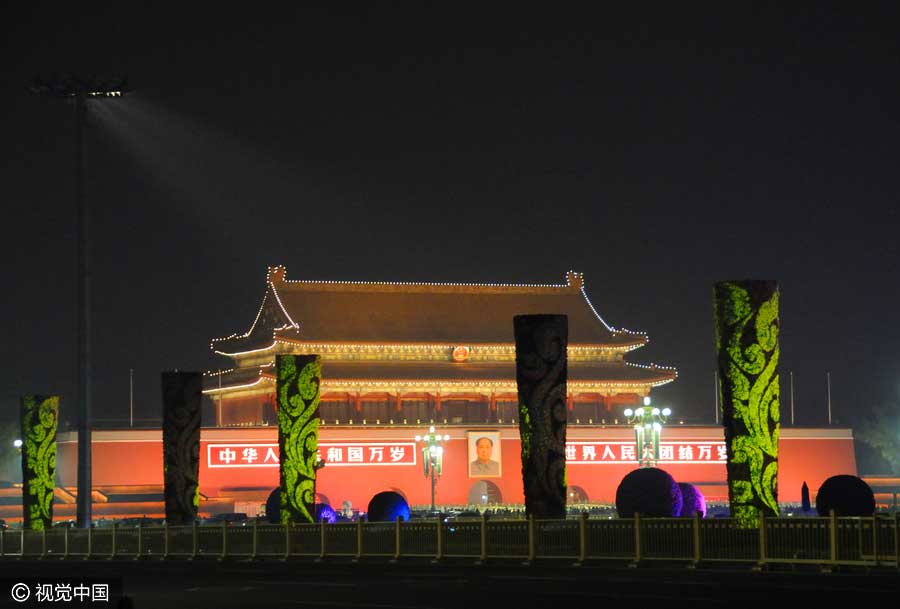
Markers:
point(541, 342)
point(40, 415)
point(181, 445)
point(299, 378)
point(747, 324)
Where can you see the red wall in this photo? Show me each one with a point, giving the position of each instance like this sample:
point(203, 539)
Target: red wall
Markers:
point(133, 457)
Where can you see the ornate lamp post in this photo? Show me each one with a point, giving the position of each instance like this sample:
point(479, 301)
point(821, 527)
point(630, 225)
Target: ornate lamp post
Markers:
point(648, 423)
point(433, 456)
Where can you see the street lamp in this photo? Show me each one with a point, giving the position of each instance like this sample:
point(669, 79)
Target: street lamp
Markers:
point(648, 423)
point(433, 456)
point(79, 90)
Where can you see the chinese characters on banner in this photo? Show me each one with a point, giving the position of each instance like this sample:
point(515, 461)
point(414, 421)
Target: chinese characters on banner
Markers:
point(332, 453)
point(626, 452)
point(404, 453)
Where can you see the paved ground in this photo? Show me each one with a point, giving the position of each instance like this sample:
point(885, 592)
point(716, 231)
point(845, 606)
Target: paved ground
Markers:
point(382, 585)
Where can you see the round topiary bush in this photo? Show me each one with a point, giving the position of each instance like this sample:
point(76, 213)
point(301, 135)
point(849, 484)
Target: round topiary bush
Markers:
point(326, 513)
point(323, 511)
point(693, 501)
point(846, 495)
point(649, 492)
point(387, 506)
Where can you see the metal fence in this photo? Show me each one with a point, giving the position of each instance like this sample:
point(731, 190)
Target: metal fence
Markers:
point(829, 542)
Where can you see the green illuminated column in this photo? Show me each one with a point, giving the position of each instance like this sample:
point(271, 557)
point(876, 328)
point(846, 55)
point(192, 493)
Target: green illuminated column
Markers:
point(541, 342)
point(746, 314)
point(40, 415)
point(299, 377)
point(181, 445)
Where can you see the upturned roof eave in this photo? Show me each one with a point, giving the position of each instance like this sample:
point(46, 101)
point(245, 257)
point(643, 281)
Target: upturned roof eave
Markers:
point(260, 337)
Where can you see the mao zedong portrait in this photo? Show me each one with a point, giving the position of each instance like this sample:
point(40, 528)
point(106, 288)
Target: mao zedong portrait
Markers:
point(484, 465)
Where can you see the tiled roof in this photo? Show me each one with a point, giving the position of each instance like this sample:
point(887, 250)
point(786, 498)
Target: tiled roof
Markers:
point(334, 311)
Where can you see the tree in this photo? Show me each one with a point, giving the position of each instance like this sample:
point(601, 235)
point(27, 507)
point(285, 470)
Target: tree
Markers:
point(881, 431)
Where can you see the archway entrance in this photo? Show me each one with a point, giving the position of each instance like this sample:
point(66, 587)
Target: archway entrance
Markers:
point(399, 492)
point(484, 492)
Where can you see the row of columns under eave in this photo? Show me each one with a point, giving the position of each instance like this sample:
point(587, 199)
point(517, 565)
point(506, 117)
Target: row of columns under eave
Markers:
point(357, 399)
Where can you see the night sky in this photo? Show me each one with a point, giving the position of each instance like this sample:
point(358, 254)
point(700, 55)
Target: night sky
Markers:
point(657, 152)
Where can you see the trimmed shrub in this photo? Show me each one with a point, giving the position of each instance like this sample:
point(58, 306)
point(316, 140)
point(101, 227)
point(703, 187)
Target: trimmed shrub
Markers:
point(693, 500)
point(387, 506)
point(846, 495)
point(325, 512)
point(650, 492)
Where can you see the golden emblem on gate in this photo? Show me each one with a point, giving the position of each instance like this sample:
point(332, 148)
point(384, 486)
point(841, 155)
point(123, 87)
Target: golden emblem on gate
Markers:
point(460, 354)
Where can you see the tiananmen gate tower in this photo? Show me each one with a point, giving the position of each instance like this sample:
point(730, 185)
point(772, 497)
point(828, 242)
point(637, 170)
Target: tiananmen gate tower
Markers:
point(420, 352)
point(399, 357)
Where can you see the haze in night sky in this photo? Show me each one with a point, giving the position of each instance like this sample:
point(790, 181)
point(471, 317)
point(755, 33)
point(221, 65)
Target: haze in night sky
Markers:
point(657, 152)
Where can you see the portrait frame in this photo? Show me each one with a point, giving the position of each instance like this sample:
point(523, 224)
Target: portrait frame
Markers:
point(472, 438)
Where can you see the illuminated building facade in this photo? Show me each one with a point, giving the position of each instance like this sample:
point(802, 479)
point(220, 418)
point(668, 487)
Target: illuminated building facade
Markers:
point(414, 354)
point(400, 357)
point(406, 355)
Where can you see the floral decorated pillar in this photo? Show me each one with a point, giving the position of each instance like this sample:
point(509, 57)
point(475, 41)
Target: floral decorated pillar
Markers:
point(299, 379)
point(747, 325)
point(40, 417)
point(181, 445)
point(541, 342)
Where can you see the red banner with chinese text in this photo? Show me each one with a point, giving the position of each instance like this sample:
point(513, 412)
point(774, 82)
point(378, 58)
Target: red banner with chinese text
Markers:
point(332, 453)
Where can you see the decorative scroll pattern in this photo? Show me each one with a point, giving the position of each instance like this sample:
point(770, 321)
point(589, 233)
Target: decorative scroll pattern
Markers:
point(40, 416)
point(541, 379)
point(181, 445)
point(299, 380)
point(747, 326)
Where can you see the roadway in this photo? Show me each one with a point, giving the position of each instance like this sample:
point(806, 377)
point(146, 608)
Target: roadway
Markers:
point(378, 584)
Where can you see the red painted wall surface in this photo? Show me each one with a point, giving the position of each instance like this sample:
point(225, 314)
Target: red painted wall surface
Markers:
point(134, 457)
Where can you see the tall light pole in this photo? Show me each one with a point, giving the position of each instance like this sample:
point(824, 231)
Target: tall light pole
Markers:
point(648, 423)
point(78, 91)
point(433, 456)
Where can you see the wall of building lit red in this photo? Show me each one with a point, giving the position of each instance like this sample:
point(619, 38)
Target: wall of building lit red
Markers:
point(134, 458)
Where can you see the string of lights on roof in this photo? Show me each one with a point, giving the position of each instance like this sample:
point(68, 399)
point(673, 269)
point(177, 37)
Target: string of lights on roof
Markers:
point(218, 372)
point(234, 387)
point(633, 332)
point(398, 385)
point(280, 272)
point(410, 347)
point(603, 321)
point(239, 353)
point(419, 346)
point(620, 330)
point(511, 384)
point(230, 370)
point(291, 323)
point(596, 314)
point(651, 366)
point(262, 306)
